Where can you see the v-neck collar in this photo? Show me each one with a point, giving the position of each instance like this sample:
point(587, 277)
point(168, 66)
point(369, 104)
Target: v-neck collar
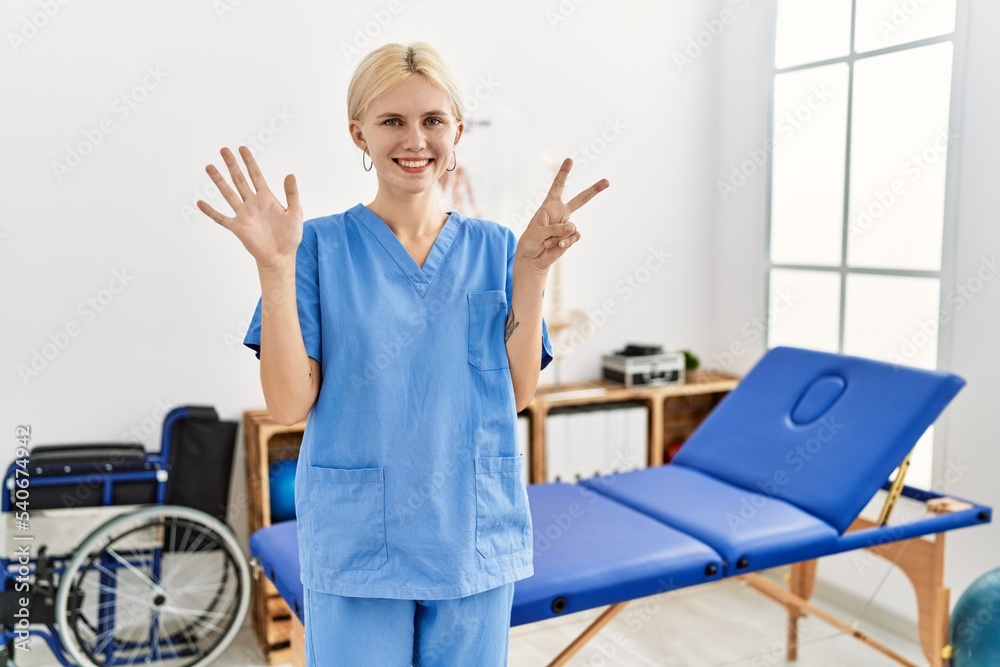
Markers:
point(420, 277)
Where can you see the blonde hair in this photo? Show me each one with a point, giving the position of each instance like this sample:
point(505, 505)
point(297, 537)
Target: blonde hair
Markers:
point(387, 65)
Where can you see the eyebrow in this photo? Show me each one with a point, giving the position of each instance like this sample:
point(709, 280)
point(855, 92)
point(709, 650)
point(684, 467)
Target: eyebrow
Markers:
point(393, 114)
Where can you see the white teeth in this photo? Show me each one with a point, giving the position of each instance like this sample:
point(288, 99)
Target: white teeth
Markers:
point(413, 165)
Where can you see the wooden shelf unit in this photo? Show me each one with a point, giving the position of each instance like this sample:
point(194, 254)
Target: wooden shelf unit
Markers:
point(674, 410)
point(268, 441)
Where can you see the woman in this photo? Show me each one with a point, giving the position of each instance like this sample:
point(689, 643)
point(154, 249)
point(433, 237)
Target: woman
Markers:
point(411, 337)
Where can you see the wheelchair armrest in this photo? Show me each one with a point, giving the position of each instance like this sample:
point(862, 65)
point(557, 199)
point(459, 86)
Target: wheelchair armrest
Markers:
point(86, 453)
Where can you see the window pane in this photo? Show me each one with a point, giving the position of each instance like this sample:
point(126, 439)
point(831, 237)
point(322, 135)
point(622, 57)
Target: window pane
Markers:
point(899, 147)
point(804, 309)
point(893, 319)
point(807, 174)
point(807, 32)
point(921, 469)
point(882, 23)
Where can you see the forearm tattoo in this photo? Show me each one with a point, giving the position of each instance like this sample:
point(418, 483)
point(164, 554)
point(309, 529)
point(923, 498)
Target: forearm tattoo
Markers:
point(511, 325)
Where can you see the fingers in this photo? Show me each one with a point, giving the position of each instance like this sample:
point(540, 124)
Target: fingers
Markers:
point(291, 193)
point(555, 192)
point(557, 233)
point(559, 229)
point(226, 191)
point(234, 170)
point(213, 214)
point(588, 194)
point(252, 169)
point(562, 244)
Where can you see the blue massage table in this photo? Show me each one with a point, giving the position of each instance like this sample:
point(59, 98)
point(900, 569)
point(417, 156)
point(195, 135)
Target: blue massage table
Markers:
point(777, 474)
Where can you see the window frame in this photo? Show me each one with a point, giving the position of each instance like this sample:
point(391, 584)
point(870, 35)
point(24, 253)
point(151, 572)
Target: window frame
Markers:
point(946, 276)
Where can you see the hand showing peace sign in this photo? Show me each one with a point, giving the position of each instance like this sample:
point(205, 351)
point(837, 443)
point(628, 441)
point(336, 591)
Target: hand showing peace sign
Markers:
point(550, 233)
point(268, 230)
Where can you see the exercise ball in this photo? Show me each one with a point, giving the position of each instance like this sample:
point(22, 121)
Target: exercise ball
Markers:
point(975, 624)
point(282, 484)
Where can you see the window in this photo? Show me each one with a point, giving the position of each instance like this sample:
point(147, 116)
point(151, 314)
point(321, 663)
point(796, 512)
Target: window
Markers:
point(856, 216)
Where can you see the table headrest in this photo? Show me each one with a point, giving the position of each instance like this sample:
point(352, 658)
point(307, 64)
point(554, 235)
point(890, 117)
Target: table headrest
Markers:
point(820, 430)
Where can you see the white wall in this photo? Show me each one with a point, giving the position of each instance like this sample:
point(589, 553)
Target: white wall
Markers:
point(972, 457)
point(563, 76)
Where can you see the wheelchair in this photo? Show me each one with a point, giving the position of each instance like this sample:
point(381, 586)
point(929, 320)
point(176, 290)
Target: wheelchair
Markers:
point(118, 556)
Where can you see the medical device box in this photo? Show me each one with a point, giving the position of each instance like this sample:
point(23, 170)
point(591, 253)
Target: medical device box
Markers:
point(644, 369)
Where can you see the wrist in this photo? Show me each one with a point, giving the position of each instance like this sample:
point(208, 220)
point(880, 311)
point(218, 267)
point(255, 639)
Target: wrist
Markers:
point(526, 269)
point(280, 266)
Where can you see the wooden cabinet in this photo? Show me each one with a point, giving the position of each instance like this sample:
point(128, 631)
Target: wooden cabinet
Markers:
point(268, 441)
point(674, 412)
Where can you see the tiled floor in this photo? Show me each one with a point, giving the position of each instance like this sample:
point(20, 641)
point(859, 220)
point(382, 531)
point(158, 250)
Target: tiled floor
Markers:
point(723, 624)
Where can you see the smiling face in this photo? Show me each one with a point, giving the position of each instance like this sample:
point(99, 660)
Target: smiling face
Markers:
point(410, 133)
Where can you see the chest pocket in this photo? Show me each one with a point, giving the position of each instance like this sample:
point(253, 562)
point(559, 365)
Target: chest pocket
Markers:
point(347, 517)
point(487, 319)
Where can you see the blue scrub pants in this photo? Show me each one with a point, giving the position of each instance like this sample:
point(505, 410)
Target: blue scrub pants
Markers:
point(382, 632)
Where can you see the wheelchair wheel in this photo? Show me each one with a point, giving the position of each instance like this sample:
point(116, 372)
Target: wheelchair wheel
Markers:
point(165, 584)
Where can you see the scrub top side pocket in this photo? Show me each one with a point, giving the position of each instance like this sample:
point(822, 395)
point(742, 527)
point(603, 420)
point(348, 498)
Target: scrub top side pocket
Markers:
point(503, 520)
point(487, 319)
point(346, 509)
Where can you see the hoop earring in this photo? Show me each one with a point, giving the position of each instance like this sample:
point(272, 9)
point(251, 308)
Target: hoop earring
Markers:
point(369, 167)
point(455, 161)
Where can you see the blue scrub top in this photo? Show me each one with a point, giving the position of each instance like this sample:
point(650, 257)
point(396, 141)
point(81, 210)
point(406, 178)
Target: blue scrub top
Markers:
point(408, 483)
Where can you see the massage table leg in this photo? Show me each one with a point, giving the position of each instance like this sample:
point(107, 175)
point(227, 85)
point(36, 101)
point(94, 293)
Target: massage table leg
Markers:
point(587, 634)
point(298, 639)
point(801, 581)
point(922, 562)
point(786, 597)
